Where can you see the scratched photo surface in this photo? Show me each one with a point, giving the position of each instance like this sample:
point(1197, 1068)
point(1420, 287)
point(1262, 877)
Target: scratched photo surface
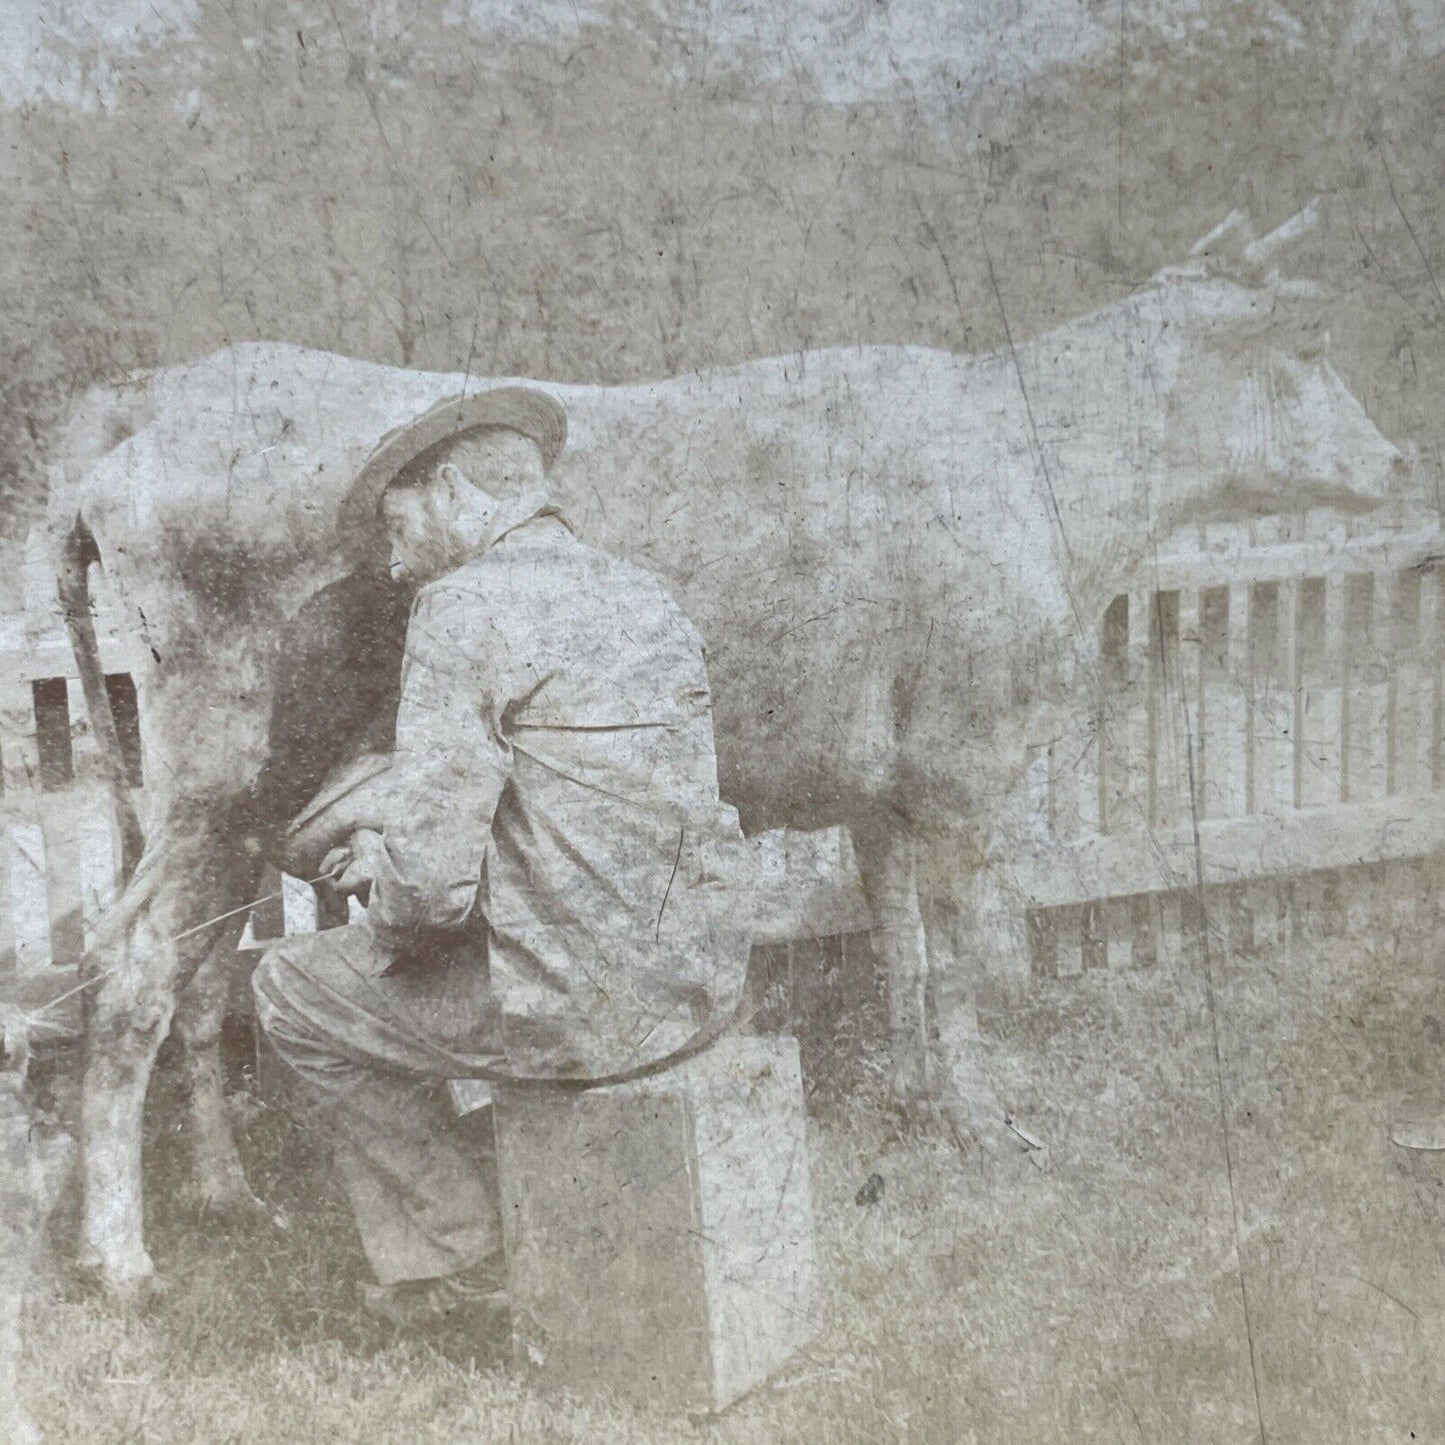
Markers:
point(722, 721)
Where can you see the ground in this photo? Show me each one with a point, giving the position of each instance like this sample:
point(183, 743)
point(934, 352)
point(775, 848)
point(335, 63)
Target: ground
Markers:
point(984, 1300)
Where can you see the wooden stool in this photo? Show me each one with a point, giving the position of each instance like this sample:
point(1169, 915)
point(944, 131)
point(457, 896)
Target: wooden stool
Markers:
point(659, 1234)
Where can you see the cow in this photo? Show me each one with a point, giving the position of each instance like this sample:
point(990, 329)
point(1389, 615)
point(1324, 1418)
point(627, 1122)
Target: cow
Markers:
point(36, 1159)
point(894, 555)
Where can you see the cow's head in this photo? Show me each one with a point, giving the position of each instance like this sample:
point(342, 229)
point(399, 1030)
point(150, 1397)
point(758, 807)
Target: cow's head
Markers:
point(1258, 420)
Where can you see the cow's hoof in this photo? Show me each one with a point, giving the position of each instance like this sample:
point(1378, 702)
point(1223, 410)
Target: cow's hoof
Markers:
point(129, 1282)
point(973, 1126)
point(230, 1200)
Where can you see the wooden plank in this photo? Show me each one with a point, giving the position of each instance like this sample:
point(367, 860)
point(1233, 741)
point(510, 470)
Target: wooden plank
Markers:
point(99, 862)
point(1088, 784)
point(19, 755)
point(1114, 706)
point(1271, 695)
point(1284, 560)
point(1210, 760)
point(1377, 680)
point(29, 895)
point(1136, 721)
point(1325, 527)
point(1222, 763)
point(1259, 846)
point(60, 825)
point(1166, 726)
point(53, 733)
point(1355, 643)
point(1191, 753)
point(1320, 631)
point(1364, 731)
point(1263, 532)
point(1124, 665)
point(1290, 755)
point(1235, 708)
point(1407, 761)
point(1432, 666)
point(1330, 774)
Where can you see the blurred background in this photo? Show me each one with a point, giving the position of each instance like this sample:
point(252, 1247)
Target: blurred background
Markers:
point(634, 188)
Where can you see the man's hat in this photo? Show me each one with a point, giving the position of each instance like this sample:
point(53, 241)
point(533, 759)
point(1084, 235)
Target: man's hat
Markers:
point(518, 408)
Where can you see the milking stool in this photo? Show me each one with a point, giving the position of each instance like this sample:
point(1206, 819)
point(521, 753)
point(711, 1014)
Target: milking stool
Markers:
point(659, 1233)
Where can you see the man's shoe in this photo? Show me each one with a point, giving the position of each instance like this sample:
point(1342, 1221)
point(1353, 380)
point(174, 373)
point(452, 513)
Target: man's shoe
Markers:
point(474, 1297)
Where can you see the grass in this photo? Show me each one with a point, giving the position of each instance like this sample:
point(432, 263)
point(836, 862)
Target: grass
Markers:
point(978, 1300)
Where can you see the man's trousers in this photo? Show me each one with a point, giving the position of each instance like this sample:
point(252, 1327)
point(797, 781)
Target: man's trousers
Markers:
point(373, 1049)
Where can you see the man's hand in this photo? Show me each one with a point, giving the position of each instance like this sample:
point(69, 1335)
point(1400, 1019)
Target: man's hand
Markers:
point(354, 866)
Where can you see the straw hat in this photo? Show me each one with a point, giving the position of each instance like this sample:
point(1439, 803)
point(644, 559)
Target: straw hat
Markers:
point(518, 408)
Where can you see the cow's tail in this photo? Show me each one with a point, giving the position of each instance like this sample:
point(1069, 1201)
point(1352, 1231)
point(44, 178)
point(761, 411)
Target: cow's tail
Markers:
point(78, 552)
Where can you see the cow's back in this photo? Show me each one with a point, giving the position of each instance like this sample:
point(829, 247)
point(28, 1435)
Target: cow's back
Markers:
point(836, 524)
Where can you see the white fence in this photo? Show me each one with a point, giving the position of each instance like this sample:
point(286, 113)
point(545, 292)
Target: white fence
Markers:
point(1271, 719)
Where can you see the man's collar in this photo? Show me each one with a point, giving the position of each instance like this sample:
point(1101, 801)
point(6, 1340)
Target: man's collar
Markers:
point(516, 512)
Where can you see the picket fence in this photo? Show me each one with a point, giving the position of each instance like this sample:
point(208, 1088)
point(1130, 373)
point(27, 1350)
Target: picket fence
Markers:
point(1264, 764)
point(1266, 754)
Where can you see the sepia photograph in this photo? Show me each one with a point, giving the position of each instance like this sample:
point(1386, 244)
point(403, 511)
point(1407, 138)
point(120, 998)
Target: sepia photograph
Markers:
point(722, 722)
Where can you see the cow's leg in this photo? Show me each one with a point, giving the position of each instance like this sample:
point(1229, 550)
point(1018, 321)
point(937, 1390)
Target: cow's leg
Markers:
point(964, 936)
point(32, 1170)
point(219, 1176)
point(20, 1225)
point(132, 1011)
point(35, 1168)
point(934, 958)
point(15, 1425)
point(887, 863)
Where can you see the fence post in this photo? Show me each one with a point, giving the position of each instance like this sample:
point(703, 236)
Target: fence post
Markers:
point(1165, 726)
point(1191, 692)
point(1320, 629)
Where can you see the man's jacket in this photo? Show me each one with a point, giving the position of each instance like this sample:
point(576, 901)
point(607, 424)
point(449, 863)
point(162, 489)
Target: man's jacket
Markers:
point(554, 755)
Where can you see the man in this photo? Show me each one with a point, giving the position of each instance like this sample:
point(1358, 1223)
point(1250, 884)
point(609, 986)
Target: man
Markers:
point(555, 890)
